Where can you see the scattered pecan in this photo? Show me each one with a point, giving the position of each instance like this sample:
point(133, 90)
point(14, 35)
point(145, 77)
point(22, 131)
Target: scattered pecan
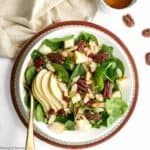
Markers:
point(38, 62)
point(147, 58)
point(81, 45)
point(51, 111)
point(128, 20)
point(56, 58)
point(107, 89)
point(146, 32)
point(92, 116)
point(100, 57)
point(82, 86)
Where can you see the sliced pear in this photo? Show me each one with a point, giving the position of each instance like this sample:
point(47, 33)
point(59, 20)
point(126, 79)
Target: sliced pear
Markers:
point(55, 90)
point(45, 89)
point(38, 97)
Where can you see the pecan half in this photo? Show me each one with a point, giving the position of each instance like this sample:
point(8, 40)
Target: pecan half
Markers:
point(81, 45)
point(146, 32)
point(56, 58)
point(107, 92)
point(147, 58)
point(82, 86)
point(128, 20)
point(100, 57)
point(92, 116)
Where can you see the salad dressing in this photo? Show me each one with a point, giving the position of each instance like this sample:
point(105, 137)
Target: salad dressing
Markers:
point(119, 4)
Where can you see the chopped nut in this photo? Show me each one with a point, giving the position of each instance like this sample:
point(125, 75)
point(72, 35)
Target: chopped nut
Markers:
point(76, 98)
point(98, 105)
point(88, 76)
point(93, 66)
point(99, 97)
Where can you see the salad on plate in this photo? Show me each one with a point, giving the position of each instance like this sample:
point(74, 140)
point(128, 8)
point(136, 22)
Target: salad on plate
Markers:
point(75, 81)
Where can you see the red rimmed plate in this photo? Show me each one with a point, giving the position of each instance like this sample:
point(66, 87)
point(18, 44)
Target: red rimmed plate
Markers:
point(74, 138)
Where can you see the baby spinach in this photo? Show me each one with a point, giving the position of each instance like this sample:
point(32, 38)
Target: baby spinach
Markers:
point(68, 64)
point(64, 118)
point(39, 113)
point(61, 72)
point(78, 71)
point(29, 74)
point(99, 78)
point(87, 37)
point(115, 107)
point(70, 125)
point(27, 99)
point(35, 54)
point(56, 43)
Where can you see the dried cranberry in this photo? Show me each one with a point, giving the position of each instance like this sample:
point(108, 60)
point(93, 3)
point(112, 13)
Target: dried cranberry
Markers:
point(51, 111)
point(61, 112)
point(66, 99)
point(38, 62)
point(81, 45)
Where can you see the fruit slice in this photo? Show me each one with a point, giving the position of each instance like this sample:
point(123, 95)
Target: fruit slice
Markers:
point(45, 89)
point(38, 97)
point(55, 90)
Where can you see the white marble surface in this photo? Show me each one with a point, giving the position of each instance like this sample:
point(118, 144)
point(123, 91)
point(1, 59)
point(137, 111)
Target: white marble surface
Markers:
point(135, 133)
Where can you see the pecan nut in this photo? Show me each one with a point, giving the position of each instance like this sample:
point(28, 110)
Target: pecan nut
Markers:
point(92, 116)
point(107, 92)
point(82, 86)
point(146, 32)
point(100, 57)
point(128, 20)
point(56, 58)
point(147, 57)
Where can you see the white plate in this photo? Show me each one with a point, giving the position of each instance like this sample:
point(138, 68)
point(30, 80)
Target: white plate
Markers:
point(74, 138)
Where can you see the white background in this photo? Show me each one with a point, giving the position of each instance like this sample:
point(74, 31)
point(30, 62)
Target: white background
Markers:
point(136, 133)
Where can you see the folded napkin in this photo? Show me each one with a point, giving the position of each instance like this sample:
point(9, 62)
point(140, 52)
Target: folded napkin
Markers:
point(21, 19)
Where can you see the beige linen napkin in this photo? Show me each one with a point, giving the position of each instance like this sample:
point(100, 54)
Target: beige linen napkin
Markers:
point(21, 19)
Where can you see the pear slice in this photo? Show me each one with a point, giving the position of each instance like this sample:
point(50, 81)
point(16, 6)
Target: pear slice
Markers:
point(45, 89)
point(38, 97)
point(55, 90)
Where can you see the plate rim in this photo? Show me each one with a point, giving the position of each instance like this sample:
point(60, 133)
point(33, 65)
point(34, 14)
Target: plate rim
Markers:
point(99, 28)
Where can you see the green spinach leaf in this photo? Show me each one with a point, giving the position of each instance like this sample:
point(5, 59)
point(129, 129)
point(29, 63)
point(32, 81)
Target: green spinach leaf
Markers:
point(40, 115)
point(29, 74)
point(87, 37)
point(78, 71)
point(70, 125)
point(61, 71)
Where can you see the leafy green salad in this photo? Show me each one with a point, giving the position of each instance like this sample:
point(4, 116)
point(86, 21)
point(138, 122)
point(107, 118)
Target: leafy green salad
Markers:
point(75, 81)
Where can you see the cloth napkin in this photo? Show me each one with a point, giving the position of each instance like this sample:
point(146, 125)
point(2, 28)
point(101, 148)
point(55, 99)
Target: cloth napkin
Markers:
point(21, 19)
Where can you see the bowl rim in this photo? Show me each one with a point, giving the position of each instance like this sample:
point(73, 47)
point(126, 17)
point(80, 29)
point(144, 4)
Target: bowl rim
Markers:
point(101, 29)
